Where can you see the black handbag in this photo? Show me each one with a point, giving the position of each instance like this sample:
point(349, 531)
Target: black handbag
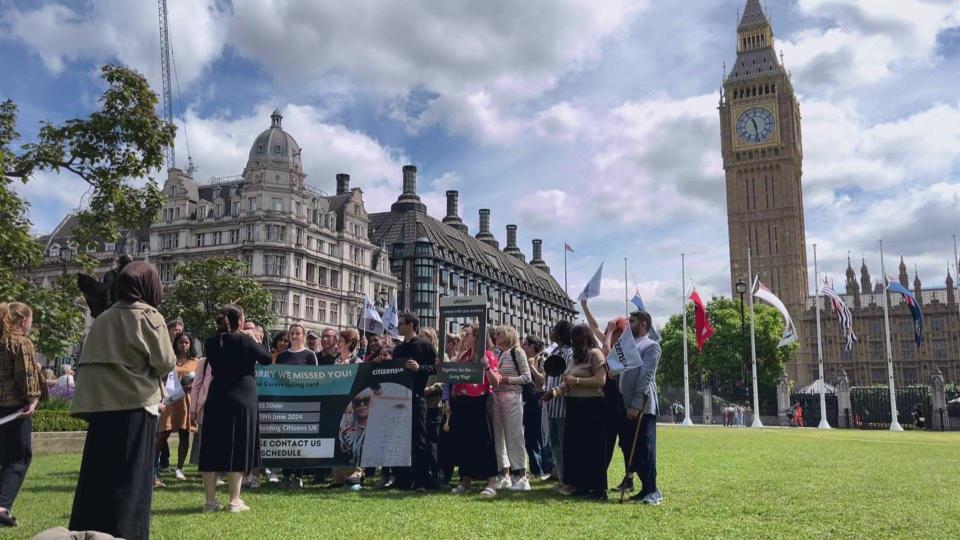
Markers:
point(526, 389)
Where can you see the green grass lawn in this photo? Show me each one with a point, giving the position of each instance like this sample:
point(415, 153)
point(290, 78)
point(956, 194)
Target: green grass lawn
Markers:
point(733, 483)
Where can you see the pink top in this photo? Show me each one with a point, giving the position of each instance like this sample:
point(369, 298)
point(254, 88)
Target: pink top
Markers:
point(475, 390)
point(199, 389)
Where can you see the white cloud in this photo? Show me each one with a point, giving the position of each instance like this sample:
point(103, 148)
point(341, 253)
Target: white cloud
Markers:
point(546, 209)
point(865, 41)
point(221, 146)
point(109, 30)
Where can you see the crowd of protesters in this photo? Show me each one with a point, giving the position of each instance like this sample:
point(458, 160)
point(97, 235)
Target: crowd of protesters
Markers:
point(544, 412)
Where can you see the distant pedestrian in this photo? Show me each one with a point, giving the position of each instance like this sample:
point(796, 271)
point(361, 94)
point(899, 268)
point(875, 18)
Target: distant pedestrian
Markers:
point(919, 421)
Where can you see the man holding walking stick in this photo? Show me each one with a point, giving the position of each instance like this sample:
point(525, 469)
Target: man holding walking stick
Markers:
point(639, 390)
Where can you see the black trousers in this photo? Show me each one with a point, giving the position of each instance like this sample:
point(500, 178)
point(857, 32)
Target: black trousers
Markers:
point(644, 461)
point(533, 434)
point(422, 461)
point(16, 452)
point(115, 487)
point(434, 426)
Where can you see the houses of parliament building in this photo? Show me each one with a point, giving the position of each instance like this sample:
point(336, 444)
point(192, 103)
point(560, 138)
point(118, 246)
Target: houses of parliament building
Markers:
point(762, 148)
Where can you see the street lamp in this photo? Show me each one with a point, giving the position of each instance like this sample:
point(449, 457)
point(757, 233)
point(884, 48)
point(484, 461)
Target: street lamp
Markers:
point(66, 255)
point(741, 290)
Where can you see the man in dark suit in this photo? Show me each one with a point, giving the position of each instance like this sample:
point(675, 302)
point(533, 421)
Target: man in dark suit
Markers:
point(639, 389)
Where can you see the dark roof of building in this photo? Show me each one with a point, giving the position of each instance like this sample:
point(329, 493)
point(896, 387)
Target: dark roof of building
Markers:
point(753, 15)
point(64, 232)
point(755, 63)
point(461, 249)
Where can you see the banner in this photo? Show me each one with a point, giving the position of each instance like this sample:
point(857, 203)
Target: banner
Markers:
point(624, 355)
point(355, 415)
point(469, 309)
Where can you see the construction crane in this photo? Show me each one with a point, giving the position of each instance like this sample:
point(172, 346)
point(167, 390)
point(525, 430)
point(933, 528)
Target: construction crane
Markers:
point(167, 96)
point(165, 57)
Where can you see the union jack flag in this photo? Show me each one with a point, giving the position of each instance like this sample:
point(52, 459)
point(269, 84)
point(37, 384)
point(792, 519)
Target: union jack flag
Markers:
point(915, 311)
point(844, 316)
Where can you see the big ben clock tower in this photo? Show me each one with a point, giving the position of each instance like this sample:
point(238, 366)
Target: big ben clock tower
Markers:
point(762, 158)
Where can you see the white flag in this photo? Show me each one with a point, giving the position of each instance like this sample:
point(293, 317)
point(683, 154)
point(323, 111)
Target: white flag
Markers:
point(173, 389)
point(624, 355)
point(391, 320)
point(370, 319)
point(592, 289)
point(789, 331)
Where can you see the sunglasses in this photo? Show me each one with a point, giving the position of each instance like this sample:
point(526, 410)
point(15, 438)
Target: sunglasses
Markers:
point(364, 402)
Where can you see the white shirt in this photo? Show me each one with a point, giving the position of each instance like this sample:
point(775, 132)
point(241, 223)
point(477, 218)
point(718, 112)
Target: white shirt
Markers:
point(65, 381)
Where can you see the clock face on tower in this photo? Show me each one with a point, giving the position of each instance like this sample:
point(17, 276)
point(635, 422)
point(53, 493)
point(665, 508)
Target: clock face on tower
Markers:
point(755, 125)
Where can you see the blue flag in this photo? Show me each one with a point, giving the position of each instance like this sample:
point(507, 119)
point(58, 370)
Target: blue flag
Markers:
point(638, 301)
point(914, 306)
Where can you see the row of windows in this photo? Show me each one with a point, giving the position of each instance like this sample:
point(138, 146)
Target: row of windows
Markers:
point(314, 309)
point(756, 154)
point(754, 91)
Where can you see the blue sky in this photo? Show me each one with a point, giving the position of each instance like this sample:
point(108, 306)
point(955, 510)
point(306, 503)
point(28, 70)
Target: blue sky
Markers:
point(586, 121)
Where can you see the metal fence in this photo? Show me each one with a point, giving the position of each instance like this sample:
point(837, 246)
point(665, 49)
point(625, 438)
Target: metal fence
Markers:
point(870, 407)
point(810, 405)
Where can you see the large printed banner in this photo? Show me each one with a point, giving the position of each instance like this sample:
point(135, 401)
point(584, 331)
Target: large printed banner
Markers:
point(468, 309)
point(322, 416)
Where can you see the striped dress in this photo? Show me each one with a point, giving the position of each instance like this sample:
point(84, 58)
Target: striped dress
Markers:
point(557, 407)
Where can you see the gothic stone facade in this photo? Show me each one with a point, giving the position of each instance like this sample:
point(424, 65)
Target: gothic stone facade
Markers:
point(866, 364)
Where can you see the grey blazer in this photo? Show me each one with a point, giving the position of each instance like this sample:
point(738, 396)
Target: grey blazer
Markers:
point(639, 386)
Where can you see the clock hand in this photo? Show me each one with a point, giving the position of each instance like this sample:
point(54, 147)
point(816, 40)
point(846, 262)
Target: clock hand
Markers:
point(756, 130)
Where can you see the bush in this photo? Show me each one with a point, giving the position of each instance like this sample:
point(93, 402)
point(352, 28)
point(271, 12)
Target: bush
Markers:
point(54, 404)
point(57, 420)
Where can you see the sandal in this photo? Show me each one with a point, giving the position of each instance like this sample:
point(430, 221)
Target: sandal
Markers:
point(212, 507)
point(488, 493)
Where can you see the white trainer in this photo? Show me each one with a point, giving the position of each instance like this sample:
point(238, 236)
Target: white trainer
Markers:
point(503, 482)
point(521, 485)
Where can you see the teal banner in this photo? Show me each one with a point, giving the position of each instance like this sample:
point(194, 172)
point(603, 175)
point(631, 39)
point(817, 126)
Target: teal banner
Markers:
point(288, 381)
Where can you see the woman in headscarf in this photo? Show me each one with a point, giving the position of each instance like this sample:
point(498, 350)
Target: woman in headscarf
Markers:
point(123, 363)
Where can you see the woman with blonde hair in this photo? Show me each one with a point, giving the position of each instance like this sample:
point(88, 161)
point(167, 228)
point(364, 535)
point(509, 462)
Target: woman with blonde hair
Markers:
point(21, 387)
point(348, 341)
point(508, 410)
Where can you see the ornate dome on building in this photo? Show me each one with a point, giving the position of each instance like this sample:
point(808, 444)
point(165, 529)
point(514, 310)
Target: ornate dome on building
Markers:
point(275, 147)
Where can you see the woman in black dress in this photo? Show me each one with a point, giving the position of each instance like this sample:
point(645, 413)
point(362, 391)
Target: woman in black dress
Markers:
point(230, 437)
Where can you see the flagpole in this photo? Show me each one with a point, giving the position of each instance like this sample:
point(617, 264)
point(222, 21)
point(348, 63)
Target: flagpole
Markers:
point(753, 347)
point(956, 272)
point(566, 290)
point(823, 398)
point(686, 369)
point(894, 421)
point(626, 304)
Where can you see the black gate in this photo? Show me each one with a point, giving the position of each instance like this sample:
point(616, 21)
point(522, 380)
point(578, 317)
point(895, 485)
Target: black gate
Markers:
point(810, 403)
point(871, 407)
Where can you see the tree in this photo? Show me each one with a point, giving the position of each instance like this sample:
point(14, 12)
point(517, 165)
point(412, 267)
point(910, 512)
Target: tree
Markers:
point(114, 151)
point(205, 285)
point(721, 362)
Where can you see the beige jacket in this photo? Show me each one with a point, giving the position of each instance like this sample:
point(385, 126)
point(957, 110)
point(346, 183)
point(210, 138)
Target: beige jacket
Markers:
point(124, 361)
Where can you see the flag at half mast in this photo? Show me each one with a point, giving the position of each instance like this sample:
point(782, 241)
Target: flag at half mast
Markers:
point(761, 292)
point(701, 321)
point(915, 311)
point(844, 315)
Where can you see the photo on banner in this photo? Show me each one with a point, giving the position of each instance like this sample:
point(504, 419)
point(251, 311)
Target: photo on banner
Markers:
point(456, 311)
point(343, 415)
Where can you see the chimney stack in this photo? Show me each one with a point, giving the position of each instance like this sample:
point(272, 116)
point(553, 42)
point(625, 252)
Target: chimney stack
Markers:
point(409, 180)
point(453, 212)
point(409, 200)
point(537, 260)
point(343, 184)
point(485, 235)
point(512, 248)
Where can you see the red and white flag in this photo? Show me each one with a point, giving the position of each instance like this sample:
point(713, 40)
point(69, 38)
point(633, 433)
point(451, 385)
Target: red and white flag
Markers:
point(701, 322)
point(566, 247)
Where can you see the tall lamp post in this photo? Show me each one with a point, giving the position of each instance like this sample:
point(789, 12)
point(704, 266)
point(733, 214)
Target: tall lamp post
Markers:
point(741, 290)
